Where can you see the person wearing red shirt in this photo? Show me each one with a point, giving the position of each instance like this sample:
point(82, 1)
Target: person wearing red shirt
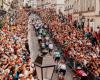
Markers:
point(81, 73)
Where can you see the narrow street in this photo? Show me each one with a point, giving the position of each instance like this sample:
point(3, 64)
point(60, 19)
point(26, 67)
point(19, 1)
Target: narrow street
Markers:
point(49, 39)
point(34, 48)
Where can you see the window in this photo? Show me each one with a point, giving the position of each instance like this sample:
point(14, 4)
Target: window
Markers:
point(88, 8)
point(72, 5)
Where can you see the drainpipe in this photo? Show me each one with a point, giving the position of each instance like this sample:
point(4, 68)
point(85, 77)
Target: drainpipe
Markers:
point(2, 4)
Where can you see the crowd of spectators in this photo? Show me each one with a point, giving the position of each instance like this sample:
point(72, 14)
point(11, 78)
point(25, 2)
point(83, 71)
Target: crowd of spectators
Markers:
point(82, 44)
point(14, 57)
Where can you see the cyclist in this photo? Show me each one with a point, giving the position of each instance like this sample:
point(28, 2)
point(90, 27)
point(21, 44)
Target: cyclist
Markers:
point(57, 55)
point(61, 69)
point(81, 74)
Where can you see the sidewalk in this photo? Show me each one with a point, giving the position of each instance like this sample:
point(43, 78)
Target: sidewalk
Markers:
point(32, 40)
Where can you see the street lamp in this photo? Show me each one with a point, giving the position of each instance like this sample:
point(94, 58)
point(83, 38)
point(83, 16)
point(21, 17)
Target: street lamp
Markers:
point(44, 67)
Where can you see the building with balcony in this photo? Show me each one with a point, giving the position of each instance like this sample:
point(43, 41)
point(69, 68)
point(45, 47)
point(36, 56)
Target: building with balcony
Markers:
point(39, 3)
point(69, 4)
point(5, 4)
point(90, 9)
point(60, 6)
point(56, 4)
point(34, 3)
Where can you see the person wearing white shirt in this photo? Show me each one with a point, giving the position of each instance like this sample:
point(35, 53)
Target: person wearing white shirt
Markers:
point(43, 45)
point(21, 77)
point(26, 73)
point(62, 68)
point(47, 38)
point(39, 38)
point(50, 47)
